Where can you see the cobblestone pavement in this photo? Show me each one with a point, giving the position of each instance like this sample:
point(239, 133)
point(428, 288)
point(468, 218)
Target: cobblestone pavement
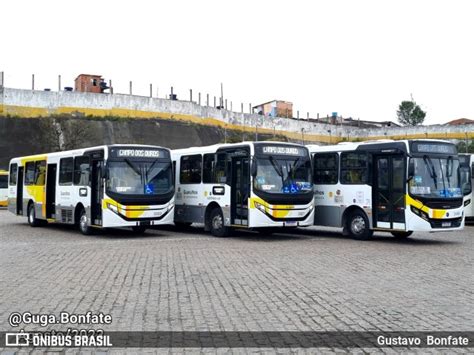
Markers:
point(312, 279)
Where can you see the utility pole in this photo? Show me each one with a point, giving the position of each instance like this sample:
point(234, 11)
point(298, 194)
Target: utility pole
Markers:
point(222, 96)
point(2, 75)
point(130, 87)
point(151, 90)
point(59, 83)
point(32, 81)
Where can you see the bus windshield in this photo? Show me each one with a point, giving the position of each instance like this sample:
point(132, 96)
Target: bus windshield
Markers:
point(435, 177)
point(129, 177)
point(3, 181)
point(288, 175)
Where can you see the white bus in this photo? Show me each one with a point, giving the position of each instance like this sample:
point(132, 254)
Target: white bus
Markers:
point(393, 186)
point(467, 174)
point(3, 188)
point(104, 186)
point(243, 185)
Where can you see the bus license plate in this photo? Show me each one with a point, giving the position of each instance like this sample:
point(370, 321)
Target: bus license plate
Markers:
point(290, 224)
point(446, 224)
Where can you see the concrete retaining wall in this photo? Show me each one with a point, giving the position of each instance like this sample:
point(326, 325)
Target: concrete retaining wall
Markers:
point(29, 103)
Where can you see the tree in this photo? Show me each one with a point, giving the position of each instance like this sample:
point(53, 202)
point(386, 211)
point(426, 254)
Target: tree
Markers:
point(410, 114)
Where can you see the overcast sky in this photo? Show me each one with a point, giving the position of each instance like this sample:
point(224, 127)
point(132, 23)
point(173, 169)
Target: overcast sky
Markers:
point(357, 58)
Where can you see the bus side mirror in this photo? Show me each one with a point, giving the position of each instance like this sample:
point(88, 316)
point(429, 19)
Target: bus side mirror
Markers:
point(253, 167)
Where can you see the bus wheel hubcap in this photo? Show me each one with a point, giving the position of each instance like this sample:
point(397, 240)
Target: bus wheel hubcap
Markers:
point(31, 215)
point(217, 222)
point(83, 222)
point(358, 225)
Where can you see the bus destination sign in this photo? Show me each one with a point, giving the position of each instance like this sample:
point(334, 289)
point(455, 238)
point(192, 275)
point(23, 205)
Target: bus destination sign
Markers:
point(138, 153)
point(436, 148)
point(282, 150)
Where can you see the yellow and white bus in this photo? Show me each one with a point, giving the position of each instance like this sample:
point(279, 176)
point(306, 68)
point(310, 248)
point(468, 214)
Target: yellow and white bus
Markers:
point(3, 188)
point(104, 186)
point(394, 186)
point(467, 175)
point(243, 185)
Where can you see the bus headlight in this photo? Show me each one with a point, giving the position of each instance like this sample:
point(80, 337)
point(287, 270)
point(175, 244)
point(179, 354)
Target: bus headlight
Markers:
point(420, 213)
point(170, 206)
point(113, 208)
point(260, 207)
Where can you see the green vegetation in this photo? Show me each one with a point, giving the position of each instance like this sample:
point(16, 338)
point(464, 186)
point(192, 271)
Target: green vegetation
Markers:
point(410, 114)
point(466, 146)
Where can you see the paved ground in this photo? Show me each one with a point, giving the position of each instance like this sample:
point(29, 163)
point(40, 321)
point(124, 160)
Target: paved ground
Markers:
point(307, 280)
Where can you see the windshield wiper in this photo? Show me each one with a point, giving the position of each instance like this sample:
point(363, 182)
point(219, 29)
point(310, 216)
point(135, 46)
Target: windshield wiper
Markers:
point(295, 166)
point(278, 169)
point(134, 168)
point(449, 170)
point(158, 173)
point(276, 166)
point(431, 170)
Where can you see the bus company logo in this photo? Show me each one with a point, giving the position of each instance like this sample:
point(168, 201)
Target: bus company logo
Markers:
point(319, 195)
point(190, 192)
point(281, 150)
point(138, 153)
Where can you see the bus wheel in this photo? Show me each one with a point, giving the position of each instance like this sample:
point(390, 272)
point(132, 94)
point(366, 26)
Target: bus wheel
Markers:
point(139, 229)
point(32, 220)
point(358, 226)
point(83, 226)
point(402, 235)
point(216, 224)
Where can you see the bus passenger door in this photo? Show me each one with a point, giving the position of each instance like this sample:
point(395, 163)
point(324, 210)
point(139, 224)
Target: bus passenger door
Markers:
point(51, 191)
point(97, 191)
point(19, 191)
point(389, 192)
point(240, 190)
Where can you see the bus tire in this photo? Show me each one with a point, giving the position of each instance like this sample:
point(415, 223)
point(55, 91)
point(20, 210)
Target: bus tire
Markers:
point(216, 224)
point(358, 226)
point(139, 229)
point(84, 228)
point(402, 235)
point(32, 220)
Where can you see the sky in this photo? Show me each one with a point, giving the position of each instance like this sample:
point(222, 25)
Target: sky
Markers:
point(357, 58)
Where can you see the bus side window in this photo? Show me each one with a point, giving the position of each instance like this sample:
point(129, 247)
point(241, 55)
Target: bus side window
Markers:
point(354, 167)
point(208, 166)
point(66, 169)
point(40, 173)
point(190, 169)
point(30, 173)
point(326, 168)
point(81, 171)
point(13, 174)
point(220, 175)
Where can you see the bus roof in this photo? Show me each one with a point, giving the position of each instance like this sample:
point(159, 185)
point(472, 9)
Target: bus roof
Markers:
point(82, 150)
point(348, 146)
point(214, 147)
